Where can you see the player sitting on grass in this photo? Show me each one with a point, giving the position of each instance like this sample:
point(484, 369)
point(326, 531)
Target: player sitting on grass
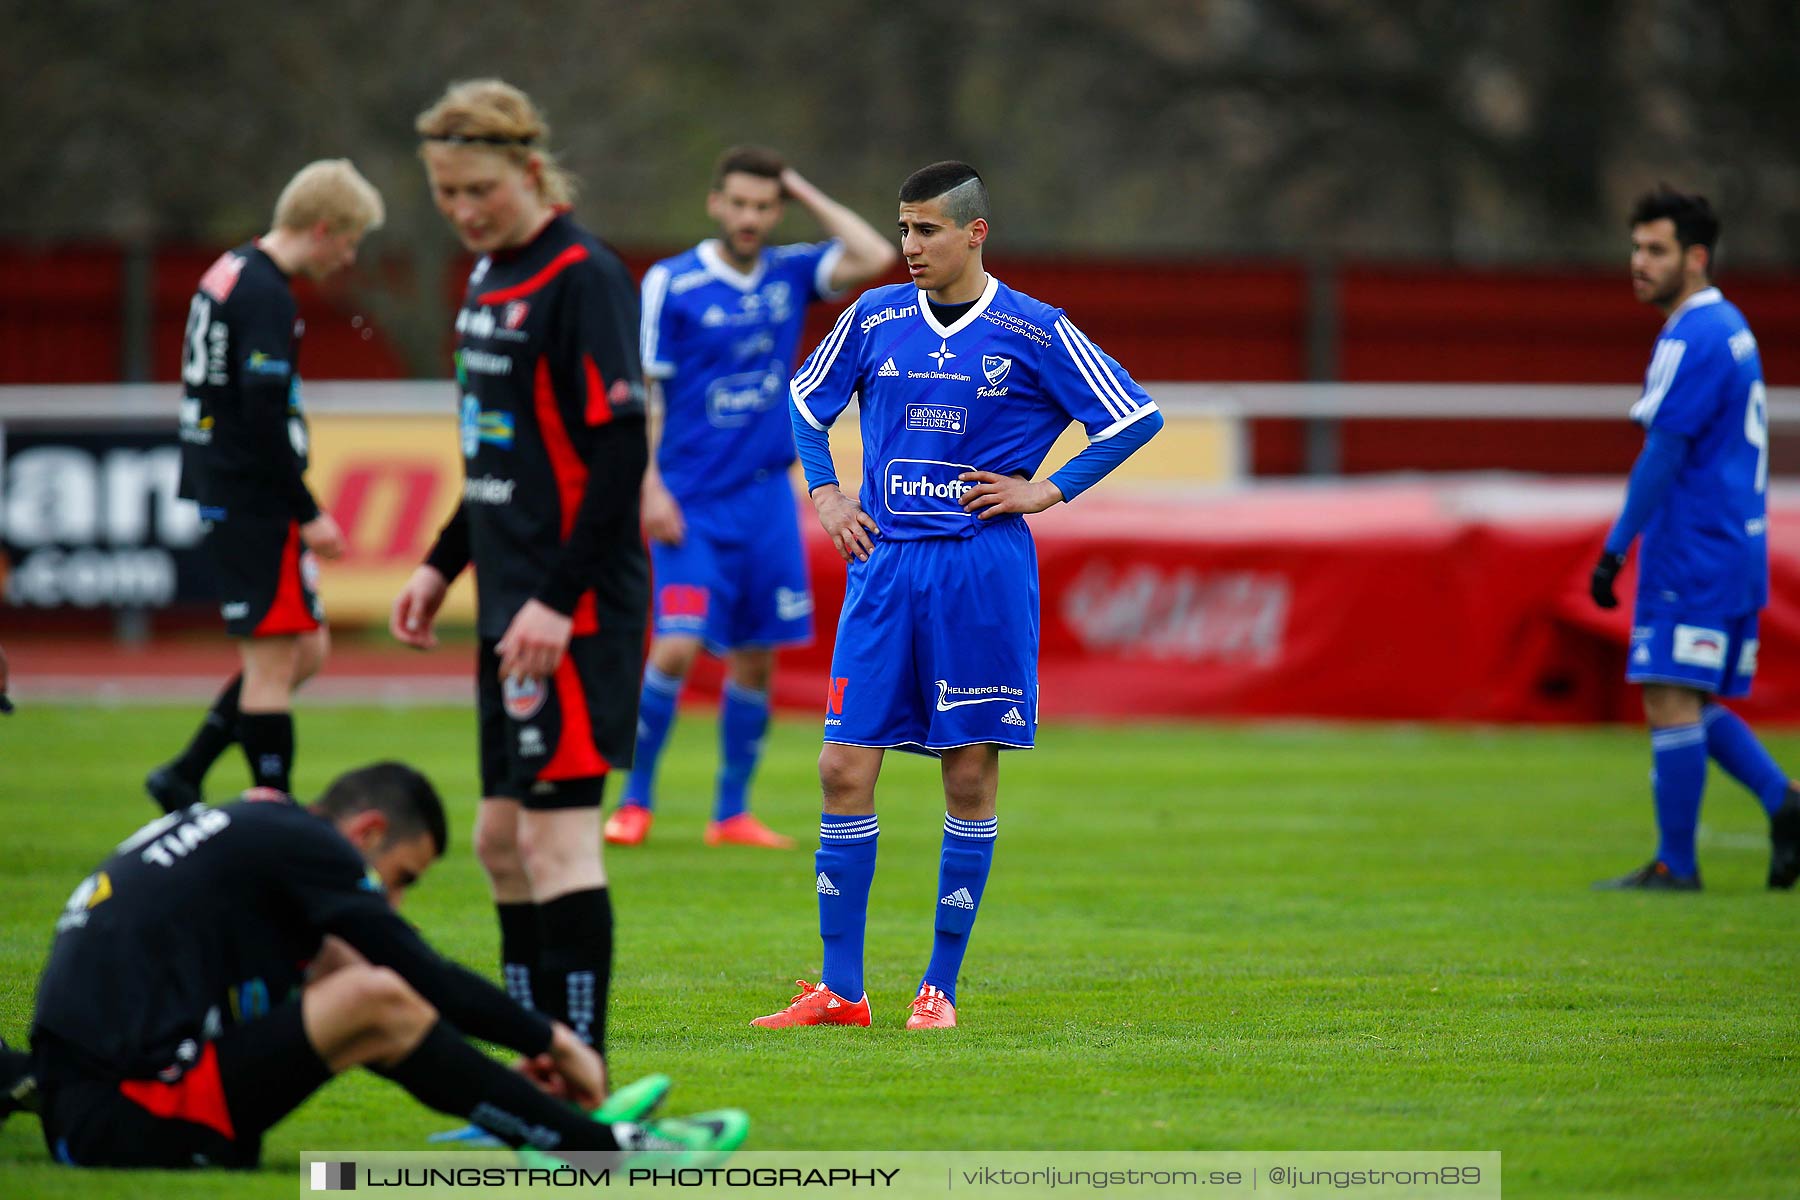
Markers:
point(224, 963)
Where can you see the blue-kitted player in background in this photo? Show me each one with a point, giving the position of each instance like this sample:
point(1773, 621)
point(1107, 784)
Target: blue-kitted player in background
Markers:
point(1697, 495)
point(964, 384)
point(721, 324)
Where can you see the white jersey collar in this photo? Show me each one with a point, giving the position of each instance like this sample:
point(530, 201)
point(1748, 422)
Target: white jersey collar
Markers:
point(724, 272)
point(1699, 299)
point(962, 322)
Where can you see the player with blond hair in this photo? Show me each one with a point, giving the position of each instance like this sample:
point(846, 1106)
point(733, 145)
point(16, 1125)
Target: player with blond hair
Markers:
point(552, 416)
point(244, 456)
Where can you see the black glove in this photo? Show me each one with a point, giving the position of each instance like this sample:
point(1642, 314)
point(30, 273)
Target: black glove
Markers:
point(1600, 584)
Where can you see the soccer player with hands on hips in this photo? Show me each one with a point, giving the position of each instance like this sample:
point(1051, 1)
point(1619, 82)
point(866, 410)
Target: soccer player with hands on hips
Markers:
point(963, 385)
point(222, 964)
point(721, 324)
point(1697, 497)
point(243, 460)
point(552, 430)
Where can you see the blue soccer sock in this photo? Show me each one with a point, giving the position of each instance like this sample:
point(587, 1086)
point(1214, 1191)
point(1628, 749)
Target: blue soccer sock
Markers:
point(656, 716)
point(743, 720)
point(962, 875)
point(846, 867)
point(1735, 748)
point(1679, 781)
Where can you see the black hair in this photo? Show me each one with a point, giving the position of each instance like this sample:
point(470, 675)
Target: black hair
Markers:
point(760, 161)
point(966, 196)
point(405, 797)
point(1695, 222)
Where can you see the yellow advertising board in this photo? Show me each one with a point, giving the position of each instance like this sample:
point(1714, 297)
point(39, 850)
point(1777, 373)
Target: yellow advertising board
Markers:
point(1190, 450)
point(391, 482)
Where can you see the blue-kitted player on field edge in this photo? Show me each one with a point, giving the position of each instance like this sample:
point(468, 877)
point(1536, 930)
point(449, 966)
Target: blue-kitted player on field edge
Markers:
point(1697, 495)
point(721, 324)
point(964, 384)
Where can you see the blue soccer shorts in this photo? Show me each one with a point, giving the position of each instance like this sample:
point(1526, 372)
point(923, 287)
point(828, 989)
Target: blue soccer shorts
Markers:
point(738, 579)
point(1716, 655)
point(937, 645)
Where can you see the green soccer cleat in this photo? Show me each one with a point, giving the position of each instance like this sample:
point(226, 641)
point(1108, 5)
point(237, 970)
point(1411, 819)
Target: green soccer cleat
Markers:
point(635, 1101)
point(702, 1140)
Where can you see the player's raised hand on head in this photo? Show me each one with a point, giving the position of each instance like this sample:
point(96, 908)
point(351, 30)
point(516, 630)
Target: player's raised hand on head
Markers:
point(413, 620)
point(663, 521)
point(996, 494)
point(844, 519)
point(323, 537)
point(534, 642)
point(1600, 583)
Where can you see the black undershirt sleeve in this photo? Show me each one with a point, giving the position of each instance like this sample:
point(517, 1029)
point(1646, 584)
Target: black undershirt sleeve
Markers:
point(266, 335)
point(450, 553)
point(615, 465)
point(329, 889)
point(600, 385)
point(465, 999)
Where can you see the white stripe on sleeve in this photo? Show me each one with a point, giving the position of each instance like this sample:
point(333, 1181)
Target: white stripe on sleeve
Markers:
point(656, 290)
point(1094, 370)
point(820, 365)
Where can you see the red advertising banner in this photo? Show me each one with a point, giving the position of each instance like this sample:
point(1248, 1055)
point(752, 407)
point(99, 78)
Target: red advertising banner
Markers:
point(1462, 601)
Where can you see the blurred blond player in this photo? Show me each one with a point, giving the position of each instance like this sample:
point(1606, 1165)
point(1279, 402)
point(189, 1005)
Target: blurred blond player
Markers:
point(720, 327)
point(551, 402)
point(244, 454)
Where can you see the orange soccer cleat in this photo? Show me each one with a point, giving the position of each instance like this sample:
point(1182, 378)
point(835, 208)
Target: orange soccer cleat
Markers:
point(629, 825)
point(817, 1006)
point(744, 830)
point(931, 1009)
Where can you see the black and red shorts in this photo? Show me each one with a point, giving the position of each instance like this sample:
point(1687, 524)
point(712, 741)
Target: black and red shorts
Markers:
point(549, 743)
point(268, 582)
point(208, 1108)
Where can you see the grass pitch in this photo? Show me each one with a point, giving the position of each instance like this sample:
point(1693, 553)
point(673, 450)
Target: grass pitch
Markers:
point(1216, 938)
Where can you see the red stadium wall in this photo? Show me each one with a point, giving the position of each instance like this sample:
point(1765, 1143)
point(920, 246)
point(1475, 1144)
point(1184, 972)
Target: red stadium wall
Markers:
point(63, 320)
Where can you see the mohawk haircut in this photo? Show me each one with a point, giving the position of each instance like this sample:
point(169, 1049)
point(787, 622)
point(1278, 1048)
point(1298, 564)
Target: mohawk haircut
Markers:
point(398, 792)
point(1695, 222)
point(965, 196)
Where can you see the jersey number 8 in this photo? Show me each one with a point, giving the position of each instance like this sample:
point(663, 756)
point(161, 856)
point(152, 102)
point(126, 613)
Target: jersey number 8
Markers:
point(193, 350)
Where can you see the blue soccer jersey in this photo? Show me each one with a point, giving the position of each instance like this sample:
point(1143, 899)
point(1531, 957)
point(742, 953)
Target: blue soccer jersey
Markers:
point(722, 343)
point(990, 392)
point(1705, 548)
point(916, 665)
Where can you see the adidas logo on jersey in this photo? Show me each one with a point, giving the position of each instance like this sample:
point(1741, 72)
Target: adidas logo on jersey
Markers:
point(960, 898)
point(826, 887)
point(1012, 717)
point(889, 370)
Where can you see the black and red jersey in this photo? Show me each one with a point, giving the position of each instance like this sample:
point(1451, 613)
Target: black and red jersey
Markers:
point(208, 917)
point(552, 419)
point(243, 432)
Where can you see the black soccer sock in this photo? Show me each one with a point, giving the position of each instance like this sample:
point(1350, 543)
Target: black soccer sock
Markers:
point(268, 741)
point(518, 949)
point(217, 731)
point(448, 1074)
point(574, 964)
